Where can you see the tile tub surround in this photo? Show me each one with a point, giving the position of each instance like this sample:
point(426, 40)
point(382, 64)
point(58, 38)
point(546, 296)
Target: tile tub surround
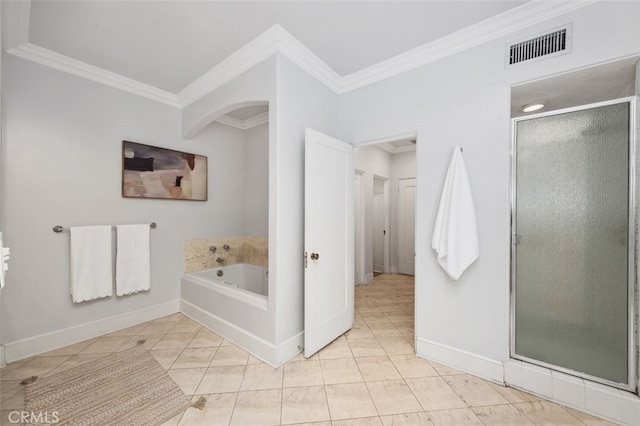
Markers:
point(242, 249)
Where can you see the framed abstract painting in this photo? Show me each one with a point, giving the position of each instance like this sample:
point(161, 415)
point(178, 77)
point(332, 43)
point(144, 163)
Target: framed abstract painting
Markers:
point(161, 173)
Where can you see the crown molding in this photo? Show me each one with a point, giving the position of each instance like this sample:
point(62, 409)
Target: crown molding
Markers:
point(530, 13)
point(293, 49)
point(230, 121)
point(385, 143)
point(15, 23)
point(409, 135)
point(257, 120)
point(244, 124)
point(277, 40)
point(396, 149)
point(64, 63)
point(243, 59)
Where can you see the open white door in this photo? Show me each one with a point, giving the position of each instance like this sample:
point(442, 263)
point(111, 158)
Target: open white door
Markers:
point(329, 235)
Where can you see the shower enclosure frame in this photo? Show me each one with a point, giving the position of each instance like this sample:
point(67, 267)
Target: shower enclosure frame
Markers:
point(634, 122)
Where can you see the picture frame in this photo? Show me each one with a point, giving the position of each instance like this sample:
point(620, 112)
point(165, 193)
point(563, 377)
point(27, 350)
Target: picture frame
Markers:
point(161, 173)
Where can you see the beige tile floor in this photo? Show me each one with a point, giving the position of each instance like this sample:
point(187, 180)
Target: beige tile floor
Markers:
point(369, 376)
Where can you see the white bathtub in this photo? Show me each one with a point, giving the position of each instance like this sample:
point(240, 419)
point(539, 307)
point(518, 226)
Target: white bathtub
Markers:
point(241, 281)
point(235, 305)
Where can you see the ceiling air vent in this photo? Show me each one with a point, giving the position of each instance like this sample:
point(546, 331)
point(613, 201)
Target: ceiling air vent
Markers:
point(548, 45)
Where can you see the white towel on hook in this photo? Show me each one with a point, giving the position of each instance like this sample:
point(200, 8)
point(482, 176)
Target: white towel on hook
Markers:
point(91, 265)
point(455, 235)
point(133, 259)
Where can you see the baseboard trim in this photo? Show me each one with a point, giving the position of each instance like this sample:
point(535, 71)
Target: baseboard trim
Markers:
point(580, 394)
point(57, 339)
point(461, 360)
point(368, 279)
point(290, 348)
point(265, 351)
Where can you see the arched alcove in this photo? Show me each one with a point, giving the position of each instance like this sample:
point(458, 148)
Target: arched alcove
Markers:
point(219, 114)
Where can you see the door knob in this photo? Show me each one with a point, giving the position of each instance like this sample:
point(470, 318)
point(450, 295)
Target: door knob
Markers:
point(315, 256)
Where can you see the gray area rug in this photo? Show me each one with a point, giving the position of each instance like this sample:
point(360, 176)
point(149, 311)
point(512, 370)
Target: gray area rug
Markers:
point(125, 388)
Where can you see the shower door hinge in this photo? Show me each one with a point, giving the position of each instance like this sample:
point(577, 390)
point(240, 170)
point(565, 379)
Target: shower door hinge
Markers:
point(515, 239)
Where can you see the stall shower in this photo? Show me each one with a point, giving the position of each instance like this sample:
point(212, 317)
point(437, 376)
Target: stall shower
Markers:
point(573, 241)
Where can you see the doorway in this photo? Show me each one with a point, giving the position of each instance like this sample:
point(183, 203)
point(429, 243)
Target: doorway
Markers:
point(380, 166)
point(385, 303)
point(573, 222)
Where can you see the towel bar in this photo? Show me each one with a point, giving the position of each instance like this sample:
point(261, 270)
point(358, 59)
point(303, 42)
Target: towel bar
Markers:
point(59, 228)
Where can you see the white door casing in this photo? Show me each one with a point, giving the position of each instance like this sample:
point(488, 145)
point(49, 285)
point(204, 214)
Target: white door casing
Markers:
point(329, 240)
point(359, 243)
point(406, 225)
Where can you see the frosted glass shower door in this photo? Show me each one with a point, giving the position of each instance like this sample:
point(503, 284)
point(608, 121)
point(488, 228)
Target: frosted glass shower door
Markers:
point(571, 242)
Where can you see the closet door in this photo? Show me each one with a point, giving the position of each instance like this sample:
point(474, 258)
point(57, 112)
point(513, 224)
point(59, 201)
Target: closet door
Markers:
point(407, 226)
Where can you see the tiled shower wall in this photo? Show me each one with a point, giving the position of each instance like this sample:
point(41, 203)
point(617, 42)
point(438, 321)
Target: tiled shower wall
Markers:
point(243, 249)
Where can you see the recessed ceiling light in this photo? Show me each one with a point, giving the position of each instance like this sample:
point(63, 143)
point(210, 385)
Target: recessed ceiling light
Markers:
point(532, 107)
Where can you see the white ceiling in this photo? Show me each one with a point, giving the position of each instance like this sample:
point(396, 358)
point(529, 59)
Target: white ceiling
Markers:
point(175, 51)
point(169, 44)
point(589, 85)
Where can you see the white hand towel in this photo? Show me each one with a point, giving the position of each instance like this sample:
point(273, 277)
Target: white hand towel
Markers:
point(133, 259)
point(455, 235)
point(91, 267)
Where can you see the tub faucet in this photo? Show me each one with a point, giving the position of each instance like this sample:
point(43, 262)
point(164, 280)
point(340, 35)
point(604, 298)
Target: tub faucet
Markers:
point(221, 260)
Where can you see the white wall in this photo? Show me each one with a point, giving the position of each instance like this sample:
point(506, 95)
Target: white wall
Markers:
point(464, 99)
point(302, 102)
point(63, 166)
point(256, 181)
